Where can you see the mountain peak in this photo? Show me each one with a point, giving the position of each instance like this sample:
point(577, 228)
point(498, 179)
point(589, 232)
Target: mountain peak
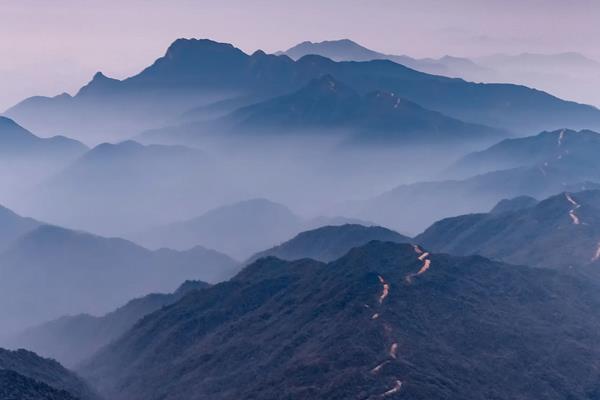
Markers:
point(183, 47)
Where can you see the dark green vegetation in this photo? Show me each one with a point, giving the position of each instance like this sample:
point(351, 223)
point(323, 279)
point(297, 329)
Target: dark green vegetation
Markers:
point(14, 386)
point(365, 325)
point(24, 375)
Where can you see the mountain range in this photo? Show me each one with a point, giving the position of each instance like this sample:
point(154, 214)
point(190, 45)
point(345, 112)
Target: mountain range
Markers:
point(348, 50)
point(566, 75)
point(196, 72)
point(327, 104)
point(384, 320)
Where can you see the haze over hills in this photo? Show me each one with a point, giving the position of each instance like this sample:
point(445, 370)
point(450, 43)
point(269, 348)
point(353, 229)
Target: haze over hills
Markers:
point(537, 166)
point(348, 50)
point(58, 265)
point(560, 232)
point(125, 184)
point(26, 159)
point(196, 72)
point(239, 229)
point(13, 226)
point(38, 377)
point(72, 339)
point(367, 324)
point(547, 148)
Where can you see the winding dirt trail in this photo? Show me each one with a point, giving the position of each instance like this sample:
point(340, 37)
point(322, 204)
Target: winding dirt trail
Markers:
point(394, 390)
point(574, 218)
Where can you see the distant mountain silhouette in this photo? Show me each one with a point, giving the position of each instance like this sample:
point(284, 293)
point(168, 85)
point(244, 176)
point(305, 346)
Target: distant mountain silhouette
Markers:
point(327, 104)
point(514, 204)
point(25, 375)
point(117, 188)
point(17, 141)
point(329, 243)
point(199, 72)
point(26, 159)
point(72, 272)
point(71, 339)
point(348, 50)
point(560, 232)
point(238, 229)
point(547, 148)
point(384, 319)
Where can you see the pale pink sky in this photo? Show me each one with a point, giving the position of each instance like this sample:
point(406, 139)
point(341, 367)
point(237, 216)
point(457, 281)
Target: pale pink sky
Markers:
point(47, 47)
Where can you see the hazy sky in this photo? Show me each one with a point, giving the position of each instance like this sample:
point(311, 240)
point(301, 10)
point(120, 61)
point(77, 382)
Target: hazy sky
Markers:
point(48, 47)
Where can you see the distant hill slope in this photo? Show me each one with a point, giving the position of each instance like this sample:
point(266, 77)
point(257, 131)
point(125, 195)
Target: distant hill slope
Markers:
point(559, 146)
point(328, 105)
point(26, 159)
point(329, 243)
point(559, 232)
point(193, 73)
point(42, 371)
point(239, 229)
point(366, 326)
point(70, 272)
point(13, 226)
point(17, 141)
point(72, 339)
point(14, 386)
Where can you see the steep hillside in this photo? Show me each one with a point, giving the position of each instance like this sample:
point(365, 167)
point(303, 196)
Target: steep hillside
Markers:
point(386, 320)
point(560, 232)
point(14, 386)
point(42, 371)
